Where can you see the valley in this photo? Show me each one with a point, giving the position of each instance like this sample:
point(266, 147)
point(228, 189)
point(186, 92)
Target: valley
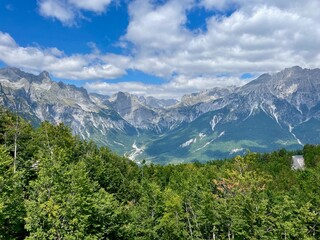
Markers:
point(274, 111)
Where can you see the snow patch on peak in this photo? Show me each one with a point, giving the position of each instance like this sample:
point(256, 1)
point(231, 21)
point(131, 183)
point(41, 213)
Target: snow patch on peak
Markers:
point(188, 143)
point(207, 143)
point(274, 114)
point(136, 151)
point(214, 121)
point(236, 150)
point(202, 135)
point(253, 108)
point(290, 130)
point(221, 134)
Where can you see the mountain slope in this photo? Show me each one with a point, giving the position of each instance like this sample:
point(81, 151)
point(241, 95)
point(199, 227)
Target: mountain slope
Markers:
point(273, 111)
point(39, 99)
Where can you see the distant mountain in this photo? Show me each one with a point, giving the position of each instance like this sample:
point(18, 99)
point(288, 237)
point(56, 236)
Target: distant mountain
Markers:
point(38, 98)
point(271, 112)
point(158, 103)
point(206, 96)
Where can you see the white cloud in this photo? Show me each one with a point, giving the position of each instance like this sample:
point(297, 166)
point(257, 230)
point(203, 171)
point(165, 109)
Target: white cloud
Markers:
point(218, 4)
point(68, 11)
point(248, 5)
point(58, 10)
point(6, 40)
point(175, 88)
point(91, 5)
point(157, 28)
point(77, 66)
point(260, 36)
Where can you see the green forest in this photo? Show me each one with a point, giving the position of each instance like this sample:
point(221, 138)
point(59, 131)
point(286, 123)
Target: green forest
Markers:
point(53, 185)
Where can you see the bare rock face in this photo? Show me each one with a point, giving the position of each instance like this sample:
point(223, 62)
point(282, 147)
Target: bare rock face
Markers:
point(273, 111)
point(38, 99)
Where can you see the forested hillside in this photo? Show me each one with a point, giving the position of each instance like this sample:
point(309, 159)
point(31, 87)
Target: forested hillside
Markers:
point(274, 111)
point(55, 186)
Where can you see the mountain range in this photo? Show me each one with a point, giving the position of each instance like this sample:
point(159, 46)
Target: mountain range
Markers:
point(279, 110)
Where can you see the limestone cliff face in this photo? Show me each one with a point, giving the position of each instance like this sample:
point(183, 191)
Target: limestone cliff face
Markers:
point(273, 111)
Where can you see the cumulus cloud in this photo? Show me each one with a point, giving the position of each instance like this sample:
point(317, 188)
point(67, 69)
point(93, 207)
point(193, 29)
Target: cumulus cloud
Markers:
point(218, 4)
point(59, 10)
point(77, 66)
point(68, 11)
point(157, 28)
point(247, 36)
point(6, 40)
point(175, 88)
point(259, 36)
point(92, 5)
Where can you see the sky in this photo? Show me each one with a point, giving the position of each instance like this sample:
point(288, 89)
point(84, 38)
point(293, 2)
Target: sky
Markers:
point(163, 48)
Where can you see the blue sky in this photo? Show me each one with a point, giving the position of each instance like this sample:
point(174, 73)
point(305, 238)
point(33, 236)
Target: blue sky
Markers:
point(158, 47)
point(24, 23)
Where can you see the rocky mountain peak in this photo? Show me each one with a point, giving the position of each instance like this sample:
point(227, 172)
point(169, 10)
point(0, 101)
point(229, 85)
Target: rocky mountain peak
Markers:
point(262, 79)
point(120, 96)
point(157, 103)
point(293, 69)
point(206, 95)
point(298, 86)
point(279, 103)
point(15, 74)
point(12, 73)
point(44, 75)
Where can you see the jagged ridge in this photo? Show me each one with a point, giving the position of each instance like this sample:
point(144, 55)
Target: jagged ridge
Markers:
point(273, 111)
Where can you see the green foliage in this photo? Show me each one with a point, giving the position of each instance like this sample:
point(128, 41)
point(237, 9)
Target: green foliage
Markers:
point(12, 210)
point(67, 202)
point(55, 186)
point(312, 155)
